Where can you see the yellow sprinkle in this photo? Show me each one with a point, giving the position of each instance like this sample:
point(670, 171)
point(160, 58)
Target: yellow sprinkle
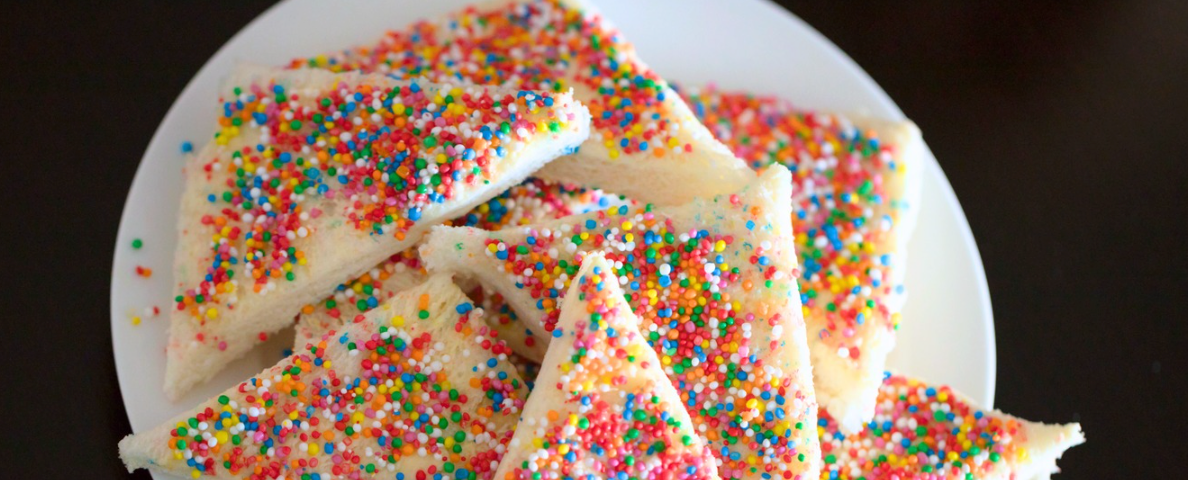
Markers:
point(136, 320)
point(212, 313)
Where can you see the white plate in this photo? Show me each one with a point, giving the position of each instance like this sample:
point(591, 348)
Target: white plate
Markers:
point(948, 331)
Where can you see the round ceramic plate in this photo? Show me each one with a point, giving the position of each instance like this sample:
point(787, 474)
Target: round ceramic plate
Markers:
point(748, 45)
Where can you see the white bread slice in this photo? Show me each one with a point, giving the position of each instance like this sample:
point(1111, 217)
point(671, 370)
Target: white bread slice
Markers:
point(715, 298)
point(398, 273)
point(854, 207)
point(642, 129)
point(413, 387)
point(604, 407)
point(901, 442)
point(312, 210)
point(530, 201)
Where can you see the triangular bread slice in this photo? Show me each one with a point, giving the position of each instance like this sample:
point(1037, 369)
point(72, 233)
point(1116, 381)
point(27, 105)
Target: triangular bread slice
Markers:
point(603, 407)
point(314, 177)
point(855, 183)
point(712, 282)
point(642, 129)
point(398, 273)
point(530, 201)
point(927, 431)
point(413, 388)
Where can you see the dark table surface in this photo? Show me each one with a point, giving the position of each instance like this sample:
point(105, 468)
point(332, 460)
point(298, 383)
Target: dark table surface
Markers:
point(1062, 129)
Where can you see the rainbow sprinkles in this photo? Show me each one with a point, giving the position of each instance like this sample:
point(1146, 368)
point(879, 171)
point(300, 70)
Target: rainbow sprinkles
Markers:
point(313, 178)
point(854, 187)
point(415, 390)
point(709, 283)
point(641, 128)
point(603, 408)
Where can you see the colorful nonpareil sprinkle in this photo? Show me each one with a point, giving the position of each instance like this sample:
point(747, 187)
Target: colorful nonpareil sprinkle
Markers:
point(144, 271)
point(533, 200)
point(844, 211)
point(604, 408)
point(137, 243)
point(922, 432)
point(381, 151)
point(536, 45)
point(500, 316)
point(187, 147)
point(713, 303)
point(416, 390)
point(397, 273)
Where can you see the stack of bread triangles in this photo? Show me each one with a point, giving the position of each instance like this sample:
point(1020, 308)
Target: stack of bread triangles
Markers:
point(695, 284)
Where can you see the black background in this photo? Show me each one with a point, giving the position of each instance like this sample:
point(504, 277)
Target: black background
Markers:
point(1062, 129)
